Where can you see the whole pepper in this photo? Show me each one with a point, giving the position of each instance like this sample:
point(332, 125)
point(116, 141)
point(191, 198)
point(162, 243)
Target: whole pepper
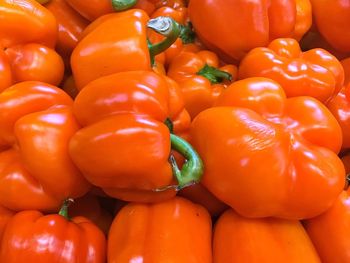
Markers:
point(232, 28)
point(175, 231)
point(31, 236)
point(36, 172)
point(200, 78)
point(331, 18)
point(266, 155)
point(28, 34)
point(124, 145)
point(106, 49)
point(239, 239)
point(315, 73)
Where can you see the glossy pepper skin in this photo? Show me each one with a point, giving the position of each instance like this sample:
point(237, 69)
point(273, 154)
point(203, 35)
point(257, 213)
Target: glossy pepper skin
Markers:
point(5, 215)
point(70, 26)
point(266, 155)
point(31, 236)
point(35, 169)
point(332, 18)
point(315, 73)
point(255, 23)
point(239, 239)
point(28, 34)
point(340, 108)
point(200, 78)
point(124, 144)
point(330, 231)
point(105, 49)
point(172, 231)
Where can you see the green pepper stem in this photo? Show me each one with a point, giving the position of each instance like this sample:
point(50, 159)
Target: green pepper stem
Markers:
point(187, 35)
point(192, 170)
point(64, 209)
point(168, 28)
point(121, 5)
point(213, 74)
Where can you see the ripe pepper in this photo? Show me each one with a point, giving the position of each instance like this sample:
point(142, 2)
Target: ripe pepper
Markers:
point(31, 236)
point(315, 73)
point(175, 231)
point(197, 73)
point(70, 26)
point(124, 145)
point(239, 239)
point(255, 23)
point(346, 66)
point(266, 155)
point(36, 172)
point(340, 108)
point(332, 18)
point(106, 49)
point(28, 33)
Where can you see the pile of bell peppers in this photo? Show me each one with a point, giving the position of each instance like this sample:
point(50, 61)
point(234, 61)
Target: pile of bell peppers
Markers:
point(182, 131)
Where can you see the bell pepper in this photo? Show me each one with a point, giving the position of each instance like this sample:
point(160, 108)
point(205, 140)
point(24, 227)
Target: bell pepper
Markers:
point(89, 207)
point(340, 108)
point(5, 215)
point(232, 28)
point(197, 73)
point(70, 26)
point(124, 145)
point(266, 155)
point(315, 73)
point(332, 18)
point(28, 33)
point(346, 66)
point(94, 9)
point(176, 231)
point(239, 239)
point(31, 236)
point(106, 49)
point(37, 121)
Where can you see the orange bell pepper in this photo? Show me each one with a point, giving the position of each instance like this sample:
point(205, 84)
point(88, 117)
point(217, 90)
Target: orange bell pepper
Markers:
point(106, 49)
point(5, 215)
point(332, 18)
point(239, 239)
point(70, 26)
point(346, 66)
point(36, 172)
point(125, 145)
point(340, 108)
point(315, 73)
point(28, 34)
point(31, 236)
point(266, 155)
point(176, 231)
point(232, 28)
point(197, 73)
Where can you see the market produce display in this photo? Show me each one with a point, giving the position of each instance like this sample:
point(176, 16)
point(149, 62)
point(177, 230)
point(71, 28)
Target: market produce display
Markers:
point(182, 131)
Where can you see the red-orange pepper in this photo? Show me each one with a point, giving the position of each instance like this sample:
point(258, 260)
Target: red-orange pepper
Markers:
point(28, 34)
point(232, 28)
point(175, 231)
point(106, 49)
point(31, 236)
point(125, 145)
point(315, 73)
point(36, 172)
point(197, 73)
point(239, 239)
point(266, 155)
point(5, 215)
